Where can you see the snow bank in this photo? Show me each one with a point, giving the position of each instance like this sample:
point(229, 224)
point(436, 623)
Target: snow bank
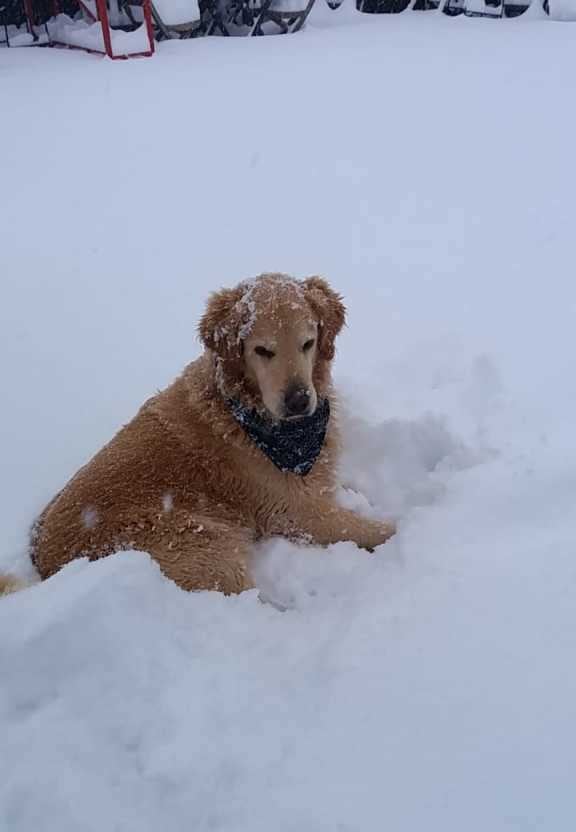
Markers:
point(62, 29)
point(562, 9)
point(175, 12)
point(410, 686)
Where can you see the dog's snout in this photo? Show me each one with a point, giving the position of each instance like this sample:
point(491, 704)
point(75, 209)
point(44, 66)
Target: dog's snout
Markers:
point(297, 400)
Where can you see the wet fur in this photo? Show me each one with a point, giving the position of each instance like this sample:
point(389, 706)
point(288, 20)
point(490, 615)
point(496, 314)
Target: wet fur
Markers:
point(183, 482)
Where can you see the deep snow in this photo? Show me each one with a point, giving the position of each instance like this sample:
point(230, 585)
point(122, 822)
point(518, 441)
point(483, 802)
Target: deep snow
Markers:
point(426, 166)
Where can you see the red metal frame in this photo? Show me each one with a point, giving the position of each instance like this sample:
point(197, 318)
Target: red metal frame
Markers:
point(104, 20)
point(102, 10)
point(147, 12)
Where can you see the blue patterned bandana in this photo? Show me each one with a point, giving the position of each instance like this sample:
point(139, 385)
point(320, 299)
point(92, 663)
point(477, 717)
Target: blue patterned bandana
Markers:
point(293, 445)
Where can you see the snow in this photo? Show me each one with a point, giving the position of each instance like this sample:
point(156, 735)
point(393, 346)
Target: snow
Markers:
point(21, 39)
point(63, 30)
point(89, 517)
point(562, 9)
point(425, 166)
point(247, 306)
point(289, 5)
point(175, 12)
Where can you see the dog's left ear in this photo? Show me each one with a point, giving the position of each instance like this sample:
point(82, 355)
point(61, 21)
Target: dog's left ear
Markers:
point(219, 326)
point(331, 313)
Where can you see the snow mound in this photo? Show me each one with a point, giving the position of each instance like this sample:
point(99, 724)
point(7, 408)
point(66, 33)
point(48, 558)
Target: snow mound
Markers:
point(150, 698)
point(399, 463)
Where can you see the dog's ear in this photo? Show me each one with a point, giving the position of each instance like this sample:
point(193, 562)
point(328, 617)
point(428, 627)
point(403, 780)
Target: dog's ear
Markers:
point(220, 324)
point(330, 311)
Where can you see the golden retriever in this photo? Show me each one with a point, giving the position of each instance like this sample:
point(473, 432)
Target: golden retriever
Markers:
point(242, 446)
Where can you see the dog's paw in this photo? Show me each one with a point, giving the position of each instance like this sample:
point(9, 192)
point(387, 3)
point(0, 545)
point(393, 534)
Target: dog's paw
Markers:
point(378, 534)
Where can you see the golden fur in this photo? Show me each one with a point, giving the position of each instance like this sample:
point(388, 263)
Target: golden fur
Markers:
point(184, 482)
point(8, 584)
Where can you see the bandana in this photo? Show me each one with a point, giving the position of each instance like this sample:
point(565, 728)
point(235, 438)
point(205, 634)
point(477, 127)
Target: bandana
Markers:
point(292, 445)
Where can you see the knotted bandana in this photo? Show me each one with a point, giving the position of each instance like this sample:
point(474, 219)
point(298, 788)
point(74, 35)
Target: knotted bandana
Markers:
point(293, 445)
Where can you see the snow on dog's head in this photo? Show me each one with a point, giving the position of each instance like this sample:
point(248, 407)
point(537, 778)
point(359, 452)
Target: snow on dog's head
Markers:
point(273, 338)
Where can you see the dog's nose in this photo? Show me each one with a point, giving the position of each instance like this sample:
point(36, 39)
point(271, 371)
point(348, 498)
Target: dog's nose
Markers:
point(296, 401)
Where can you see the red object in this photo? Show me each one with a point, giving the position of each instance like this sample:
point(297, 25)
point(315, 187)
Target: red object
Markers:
point(104, 20)
point(105, 23)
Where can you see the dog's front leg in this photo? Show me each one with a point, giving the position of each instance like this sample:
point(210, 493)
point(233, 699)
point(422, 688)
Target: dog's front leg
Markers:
point(327, 523)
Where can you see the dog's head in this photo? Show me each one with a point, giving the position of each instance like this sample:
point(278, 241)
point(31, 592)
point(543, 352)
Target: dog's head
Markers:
point(274, 340)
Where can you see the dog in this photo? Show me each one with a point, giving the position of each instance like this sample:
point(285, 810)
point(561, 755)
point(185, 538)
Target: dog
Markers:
point(242, 446)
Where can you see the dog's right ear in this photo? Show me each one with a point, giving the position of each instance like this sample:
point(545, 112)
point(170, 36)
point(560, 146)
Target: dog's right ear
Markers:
point(220, 324)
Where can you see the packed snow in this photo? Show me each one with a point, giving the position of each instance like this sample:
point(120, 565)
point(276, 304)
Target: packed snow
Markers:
point(89, 35)
point(425, 166)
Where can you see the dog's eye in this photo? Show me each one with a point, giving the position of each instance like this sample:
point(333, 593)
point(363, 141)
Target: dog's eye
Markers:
point(308, 345)
point(262, 351)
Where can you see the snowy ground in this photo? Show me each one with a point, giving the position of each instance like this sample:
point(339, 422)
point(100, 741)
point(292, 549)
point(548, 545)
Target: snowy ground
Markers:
point(426, 166)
